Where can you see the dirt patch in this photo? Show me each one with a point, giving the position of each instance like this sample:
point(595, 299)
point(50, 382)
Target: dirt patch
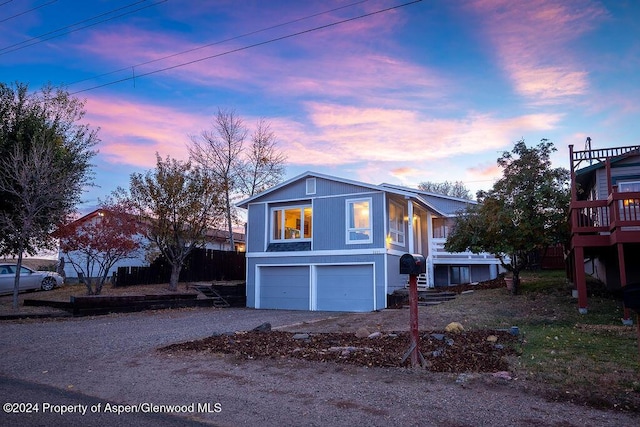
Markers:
point(477, 351)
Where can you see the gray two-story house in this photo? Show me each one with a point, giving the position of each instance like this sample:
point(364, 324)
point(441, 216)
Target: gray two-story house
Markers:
point(319, 242)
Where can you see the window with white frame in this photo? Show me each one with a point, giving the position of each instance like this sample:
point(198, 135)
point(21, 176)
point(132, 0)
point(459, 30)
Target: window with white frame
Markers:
point(629, 208)
point(359, 222)
point(291, 223)
point(440, 228)
point(396, 223)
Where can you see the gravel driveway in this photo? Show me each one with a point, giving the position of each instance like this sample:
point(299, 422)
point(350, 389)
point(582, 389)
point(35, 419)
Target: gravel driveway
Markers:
point(114, 358)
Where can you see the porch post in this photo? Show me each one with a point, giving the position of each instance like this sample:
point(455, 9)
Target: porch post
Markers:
point(430, 251)
point(580, 278)
point(412, 247)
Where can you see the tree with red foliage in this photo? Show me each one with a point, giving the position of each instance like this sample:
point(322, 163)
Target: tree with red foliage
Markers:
point(95, 244)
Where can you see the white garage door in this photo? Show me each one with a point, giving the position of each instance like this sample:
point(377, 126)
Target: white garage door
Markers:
point(345, 288)
point(285, 288)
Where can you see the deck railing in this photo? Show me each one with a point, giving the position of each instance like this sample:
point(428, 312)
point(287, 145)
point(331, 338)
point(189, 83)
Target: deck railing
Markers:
point(601, 154)
point(620, 212)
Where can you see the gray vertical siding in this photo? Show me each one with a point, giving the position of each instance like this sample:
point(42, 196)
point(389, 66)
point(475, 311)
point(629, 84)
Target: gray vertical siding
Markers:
point(256, 227)
point(329, 222)
point(329, 214)
point(324, 187)
point(395, 280)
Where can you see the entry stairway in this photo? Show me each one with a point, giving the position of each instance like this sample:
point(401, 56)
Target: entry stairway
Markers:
point(427, 295)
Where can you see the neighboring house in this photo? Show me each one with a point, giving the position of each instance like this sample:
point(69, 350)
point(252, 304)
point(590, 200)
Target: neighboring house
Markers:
point(318, 242)
point(605, 217)
point(217, 240)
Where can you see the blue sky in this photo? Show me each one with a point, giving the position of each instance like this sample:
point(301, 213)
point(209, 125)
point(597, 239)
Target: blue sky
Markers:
point(428, 91)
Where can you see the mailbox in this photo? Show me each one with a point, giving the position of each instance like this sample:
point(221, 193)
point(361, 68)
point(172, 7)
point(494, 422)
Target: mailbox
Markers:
point(413, 264)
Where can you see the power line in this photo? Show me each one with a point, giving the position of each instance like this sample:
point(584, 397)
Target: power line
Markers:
point(8, 49)
point(26, 11)
point(217, 42)
point(8, 1)
point(71, 25)
point(248, 46)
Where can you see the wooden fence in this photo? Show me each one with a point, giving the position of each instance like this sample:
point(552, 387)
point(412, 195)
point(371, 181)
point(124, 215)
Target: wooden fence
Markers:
point(200, 266)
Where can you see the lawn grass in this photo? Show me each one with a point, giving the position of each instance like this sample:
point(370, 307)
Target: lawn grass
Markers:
point(589, 358)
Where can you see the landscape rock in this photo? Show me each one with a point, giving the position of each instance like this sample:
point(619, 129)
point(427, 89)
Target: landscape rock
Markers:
point(502, 375)
point(265, 327)
point(300, 336)
point(492, 338)
point(454, 328)
point(375, 335)
point(362, 333)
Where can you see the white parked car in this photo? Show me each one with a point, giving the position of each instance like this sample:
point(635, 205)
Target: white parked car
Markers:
point(29, 279)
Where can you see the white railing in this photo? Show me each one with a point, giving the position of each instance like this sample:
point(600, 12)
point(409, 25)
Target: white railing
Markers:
point(438, 252)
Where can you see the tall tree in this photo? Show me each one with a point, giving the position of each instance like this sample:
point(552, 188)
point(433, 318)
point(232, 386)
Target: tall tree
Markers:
point(524, 212)
point(178, 203)
point(263, 163)
point(95, 245)
point(453, 189)
point(220, 150)
point(240, 170)
point(45, 152)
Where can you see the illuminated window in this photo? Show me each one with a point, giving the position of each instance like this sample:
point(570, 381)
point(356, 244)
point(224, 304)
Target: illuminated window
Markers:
point(291, 223)
point(359, 221)
point(629, 208)
point(396, 223)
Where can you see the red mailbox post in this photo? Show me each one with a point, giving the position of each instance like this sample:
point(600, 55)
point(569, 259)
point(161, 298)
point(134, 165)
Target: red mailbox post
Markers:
point(413, 265)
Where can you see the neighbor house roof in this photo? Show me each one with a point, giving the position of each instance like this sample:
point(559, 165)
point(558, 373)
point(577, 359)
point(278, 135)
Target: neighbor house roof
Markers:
point(213, 234)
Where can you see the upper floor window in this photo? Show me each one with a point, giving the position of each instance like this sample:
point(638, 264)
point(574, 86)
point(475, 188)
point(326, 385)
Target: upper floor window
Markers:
point(291, 223)
point(396, 223)
point(440, 228)
point(628, 186)
point(359, 229)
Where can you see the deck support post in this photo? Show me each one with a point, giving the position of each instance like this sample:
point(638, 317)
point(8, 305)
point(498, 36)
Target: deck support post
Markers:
point(580, 278)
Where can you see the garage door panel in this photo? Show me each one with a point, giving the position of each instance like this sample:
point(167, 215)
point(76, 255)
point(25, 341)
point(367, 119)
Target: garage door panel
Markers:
point(345, 288)
point(284, 288)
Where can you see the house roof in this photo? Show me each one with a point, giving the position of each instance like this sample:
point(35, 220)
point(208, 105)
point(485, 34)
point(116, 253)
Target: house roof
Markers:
point(440, 204)
point(443, 204)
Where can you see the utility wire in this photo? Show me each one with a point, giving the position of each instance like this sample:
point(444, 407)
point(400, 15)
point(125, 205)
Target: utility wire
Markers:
point(71, 25)
point(26, 11)
point(8, 1)
point(249, 46)
point(8, 49)
point(217, 43)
